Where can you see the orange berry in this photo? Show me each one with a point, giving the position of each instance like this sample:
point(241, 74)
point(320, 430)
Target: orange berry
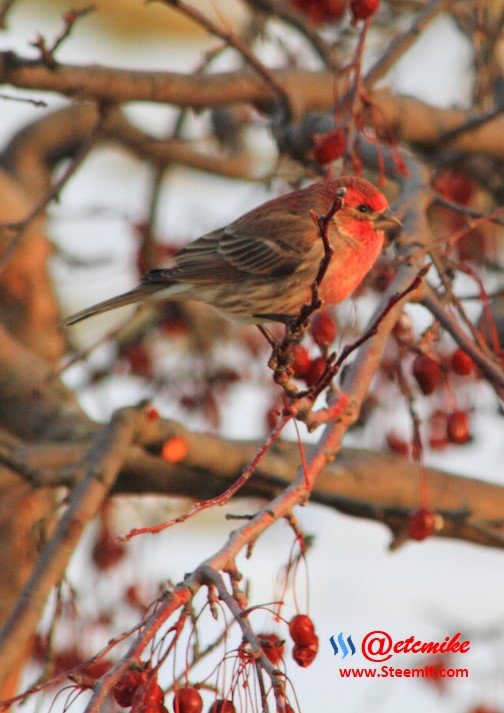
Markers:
point(174, 449)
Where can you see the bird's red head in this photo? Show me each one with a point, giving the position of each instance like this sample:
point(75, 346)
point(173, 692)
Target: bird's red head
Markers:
point(362, 193)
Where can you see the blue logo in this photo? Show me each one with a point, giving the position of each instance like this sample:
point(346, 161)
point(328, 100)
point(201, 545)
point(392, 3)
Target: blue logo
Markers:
point(344, 646)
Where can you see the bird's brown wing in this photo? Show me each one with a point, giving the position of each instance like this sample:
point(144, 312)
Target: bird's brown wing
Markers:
point(229, 255)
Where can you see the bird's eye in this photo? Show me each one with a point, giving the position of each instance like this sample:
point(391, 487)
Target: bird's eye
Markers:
point(363, 208)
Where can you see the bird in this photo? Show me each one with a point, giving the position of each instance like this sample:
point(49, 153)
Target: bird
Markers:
point(260, 267)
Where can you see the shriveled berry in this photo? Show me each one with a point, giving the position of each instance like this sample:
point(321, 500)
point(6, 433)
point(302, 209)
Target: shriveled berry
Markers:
point(457, 427)
point(421, 524)
point(305, 655)
point(148, 697)
point(461, 363)
point(323, 329)
point(273, 647)
point(329, 147)
point(362, 9)
point(126, 687)
point(301, 629)
point(187, 700)
point(316, 369)
point(427, 372)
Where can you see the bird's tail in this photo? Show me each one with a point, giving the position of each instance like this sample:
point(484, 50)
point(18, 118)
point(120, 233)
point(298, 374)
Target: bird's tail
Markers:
point(138, 294)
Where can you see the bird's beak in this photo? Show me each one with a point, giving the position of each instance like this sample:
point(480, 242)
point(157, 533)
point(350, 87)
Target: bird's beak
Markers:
point(389, 222)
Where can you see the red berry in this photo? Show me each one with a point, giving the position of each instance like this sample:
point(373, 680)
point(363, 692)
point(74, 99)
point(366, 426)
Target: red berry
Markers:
point(329, 147)
point(148, 697)
point(139, 359)
point(427, 373)
point(107, 551)
point(126, 687)
point(315, 371)
point(187, 700)
point(222, 706)
point(305, 655)
point(323, 329)
point(461, 363)
point(362, 9)
point(321, 11)
point(301, 629)
point(273, 647)
point(457, 427)
point(454, 185)
point(151, 413)
point(421, 524)
point(301, 363)
point(397, 444)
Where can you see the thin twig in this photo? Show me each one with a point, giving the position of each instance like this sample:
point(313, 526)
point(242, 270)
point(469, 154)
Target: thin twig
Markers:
point(399, 45)
point(230, 39)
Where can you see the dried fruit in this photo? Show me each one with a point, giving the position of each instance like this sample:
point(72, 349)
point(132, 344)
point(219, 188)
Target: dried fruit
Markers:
point(305, 655)
point(421, 524)
point(457, 427)
point(187, 700)
point(427, 372)
point(273, 647)
point(126, 687)
point(301, 629)
point(461, 363)
point(323, 329)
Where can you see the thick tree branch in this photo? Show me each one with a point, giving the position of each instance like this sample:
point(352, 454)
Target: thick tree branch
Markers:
point(405, 118)
point(103, 462)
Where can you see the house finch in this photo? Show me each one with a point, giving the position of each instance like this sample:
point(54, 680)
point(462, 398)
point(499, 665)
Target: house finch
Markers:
point(260, 267)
